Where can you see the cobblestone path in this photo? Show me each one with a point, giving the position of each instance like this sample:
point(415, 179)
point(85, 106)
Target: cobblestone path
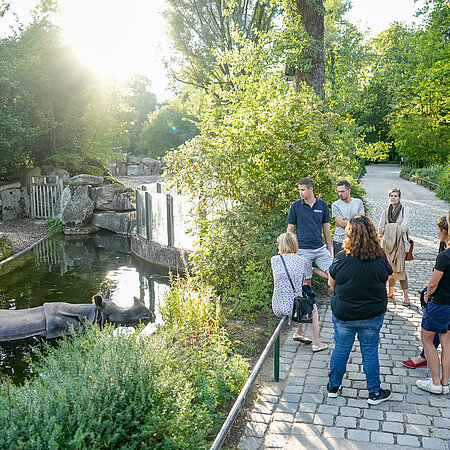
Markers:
point(295, 413)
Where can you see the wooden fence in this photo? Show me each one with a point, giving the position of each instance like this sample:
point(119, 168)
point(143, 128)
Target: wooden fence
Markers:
point(45, 195)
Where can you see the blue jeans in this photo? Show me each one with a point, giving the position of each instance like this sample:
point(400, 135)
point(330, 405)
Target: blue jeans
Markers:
point(344, 336)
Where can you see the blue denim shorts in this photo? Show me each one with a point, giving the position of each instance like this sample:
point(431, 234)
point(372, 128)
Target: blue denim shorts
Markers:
point(436, 318)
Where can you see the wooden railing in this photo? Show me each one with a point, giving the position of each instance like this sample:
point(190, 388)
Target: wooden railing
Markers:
point(428, 184)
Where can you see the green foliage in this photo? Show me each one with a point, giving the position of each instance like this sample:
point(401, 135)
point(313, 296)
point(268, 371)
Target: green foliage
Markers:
point(419, 141)
point(431, 173)
point(52, 110)
point(97, 391)
point(6, 247)
point(243, 166)
point(166, 129)
point(443, 190)
point(54, 225)
point(201, 30)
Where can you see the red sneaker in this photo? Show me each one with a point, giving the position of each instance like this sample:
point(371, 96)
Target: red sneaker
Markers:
point(412, 365)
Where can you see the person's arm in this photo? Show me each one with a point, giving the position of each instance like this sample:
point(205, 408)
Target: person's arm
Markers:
point(340, 221)
point(327, 234)
point(433, 284)
point(331, 282)
point(382, 224)
point(290, 228)
point(361, 208)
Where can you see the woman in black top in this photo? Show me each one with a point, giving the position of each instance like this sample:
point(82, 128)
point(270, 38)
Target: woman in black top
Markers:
point(358, 278)
point(436, 317)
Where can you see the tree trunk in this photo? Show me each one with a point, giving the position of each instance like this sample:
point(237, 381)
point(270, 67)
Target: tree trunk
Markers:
point(312, 72)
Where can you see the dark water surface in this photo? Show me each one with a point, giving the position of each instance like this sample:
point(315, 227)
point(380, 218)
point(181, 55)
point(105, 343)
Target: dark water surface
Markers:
point(73, 269)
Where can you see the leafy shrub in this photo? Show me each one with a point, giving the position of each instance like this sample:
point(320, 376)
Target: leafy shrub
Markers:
point(430, 173)
point(407, 171)
point(443, 190)
point(54, 225)
point(6, 247)
point(96, 391)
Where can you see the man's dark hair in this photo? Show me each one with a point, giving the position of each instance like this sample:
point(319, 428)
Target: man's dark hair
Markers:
point(344, 183)
point(306, 182)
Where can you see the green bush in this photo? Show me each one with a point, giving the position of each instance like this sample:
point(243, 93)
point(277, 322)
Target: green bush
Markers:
point(54, 225)
point(406, 172)
point(443, 190)
point(96, 391)
point(430, 173)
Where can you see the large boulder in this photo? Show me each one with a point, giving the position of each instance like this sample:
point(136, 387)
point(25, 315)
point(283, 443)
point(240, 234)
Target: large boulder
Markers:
point(118, 222)
point(85, 180)
point(79, 208)
point(134, 170)
point(113, 197)
point(133, 159)
point(151, 166)
point(62, 174)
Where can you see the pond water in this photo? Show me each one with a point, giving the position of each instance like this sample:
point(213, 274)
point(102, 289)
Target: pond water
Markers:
point(72, 269)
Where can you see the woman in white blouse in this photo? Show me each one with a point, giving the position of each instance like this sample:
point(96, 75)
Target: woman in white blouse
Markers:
point(283, 294)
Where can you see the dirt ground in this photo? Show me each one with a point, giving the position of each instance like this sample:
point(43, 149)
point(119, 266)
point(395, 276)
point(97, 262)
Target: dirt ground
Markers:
point(23, 233)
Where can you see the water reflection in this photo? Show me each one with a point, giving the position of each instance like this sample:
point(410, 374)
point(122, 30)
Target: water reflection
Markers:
point(73, 269)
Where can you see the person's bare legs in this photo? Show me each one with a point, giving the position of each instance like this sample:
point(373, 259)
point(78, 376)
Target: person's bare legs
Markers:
point(404, 286)
point(391, 287)
point(445, 357)
point(314, 327)
point(431, 355)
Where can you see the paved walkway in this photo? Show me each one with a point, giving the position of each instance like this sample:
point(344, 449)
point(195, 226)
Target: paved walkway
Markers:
point(296, 413)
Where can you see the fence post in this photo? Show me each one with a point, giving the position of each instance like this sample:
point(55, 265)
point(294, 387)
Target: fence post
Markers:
point(170, 227)
point(276, 360)
point(148, 215)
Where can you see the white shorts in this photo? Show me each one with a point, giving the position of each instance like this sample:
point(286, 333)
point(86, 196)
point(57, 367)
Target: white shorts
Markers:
point(319, 256)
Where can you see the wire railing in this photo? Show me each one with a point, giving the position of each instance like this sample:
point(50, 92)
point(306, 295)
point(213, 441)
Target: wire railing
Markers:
point(273, 342)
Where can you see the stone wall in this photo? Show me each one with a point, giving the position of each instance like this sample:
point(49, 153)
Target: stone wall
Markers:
point(124, 164)
point(14, 201)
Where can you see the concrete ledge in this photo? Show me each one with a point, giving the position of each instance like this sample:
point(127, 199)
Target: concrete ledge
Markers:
point(161, 255)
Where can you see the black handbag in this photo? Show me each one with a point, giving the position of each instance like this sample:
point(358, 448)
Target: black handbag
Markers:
point(303, 304)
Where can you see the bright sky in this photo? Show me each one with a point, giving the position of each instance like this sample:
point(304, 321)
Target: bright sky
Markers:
point(119, 39)
point(379, 14)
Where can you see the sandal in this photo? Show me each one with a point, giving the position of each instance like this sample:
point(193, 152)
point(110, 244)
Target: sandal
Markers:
point(406, 303)
point(302, 338)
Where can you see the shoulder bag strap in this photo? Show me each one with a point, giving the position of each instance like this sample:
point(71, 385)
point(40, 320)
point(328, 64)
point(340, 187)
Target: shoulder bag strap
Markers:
point(285, 268)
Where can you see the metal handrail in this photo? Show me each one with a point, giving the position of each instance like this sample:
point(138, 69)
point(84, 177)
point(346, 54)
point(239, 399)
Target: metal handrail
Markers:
point(275, 339)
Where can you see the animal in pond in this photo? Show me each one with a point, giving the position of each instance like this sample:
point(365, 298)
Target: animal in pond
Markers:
point(53, 319)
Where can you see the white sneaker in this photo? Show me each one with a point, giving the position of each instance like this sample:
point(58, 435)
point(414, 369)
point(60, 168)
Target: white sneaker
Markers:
point(445, 390)
point(427, 385)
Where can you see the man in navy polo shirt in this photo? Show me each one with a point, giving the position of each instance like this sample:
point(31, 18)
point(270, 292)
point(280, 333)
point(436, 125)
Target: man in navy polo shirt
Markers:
point(311, 215)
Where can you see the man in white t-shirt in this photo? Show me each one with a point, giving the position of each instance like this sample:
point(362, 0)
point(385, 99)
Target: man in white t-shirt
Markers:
point(342, 211)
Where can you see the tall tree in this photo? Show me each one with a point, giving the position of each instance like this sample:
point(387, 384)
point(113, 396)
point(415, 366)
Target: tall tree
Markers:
point(200, 30)
point(312, 68)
